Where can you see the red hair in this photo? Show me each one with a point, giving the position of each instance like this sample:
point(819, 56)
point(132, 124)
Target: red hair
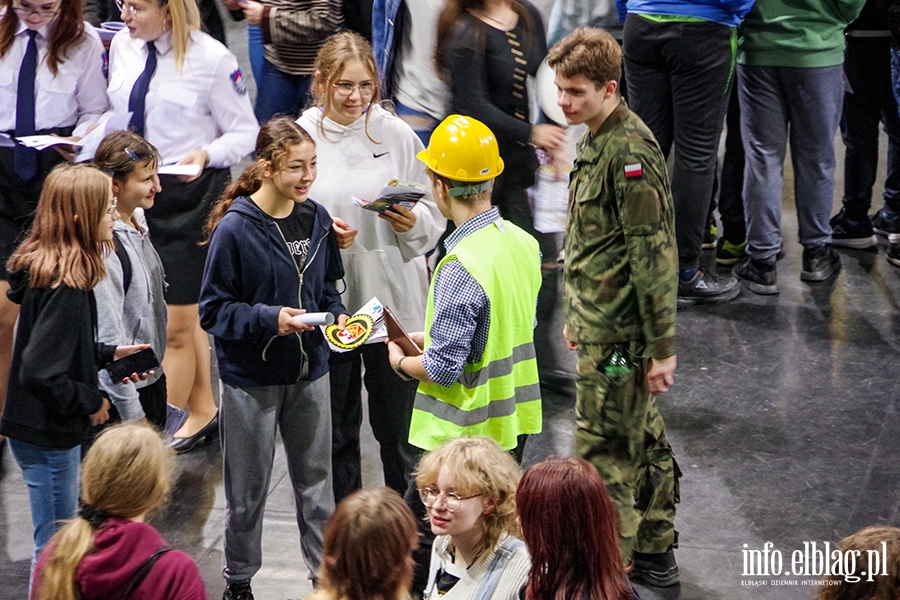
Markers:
point(570, 526)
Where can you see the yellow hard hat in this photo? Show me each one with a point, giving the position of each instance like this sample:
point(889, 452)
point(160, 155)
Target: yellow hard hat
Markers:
point(463, 149)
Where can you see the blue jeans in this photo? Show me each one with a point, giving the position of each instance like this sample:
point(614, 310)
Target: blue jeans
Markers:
point(803, 106)
point(280, 93)
point(52, 479)
point(422, 123)
point(255, 50)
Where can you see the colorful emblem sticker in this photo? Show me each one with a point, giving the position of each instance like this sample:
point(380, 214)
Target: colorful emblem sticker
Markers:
point(354, 334)
point(237, 80)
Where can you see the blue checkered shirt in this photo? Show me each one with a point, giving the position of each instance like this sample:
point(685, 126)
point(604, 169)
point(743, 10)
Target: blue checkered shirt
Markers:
point(462, 312)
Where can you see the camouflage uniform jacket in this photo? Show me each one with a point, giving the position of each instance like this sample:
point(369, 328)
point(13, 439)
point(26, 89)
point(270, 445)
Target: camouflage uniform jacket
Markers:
point(620, 266)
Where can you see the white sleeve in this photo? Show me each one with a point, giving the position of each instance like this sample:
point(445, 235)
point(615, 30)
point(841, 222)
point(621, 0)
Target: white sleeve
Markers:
point(230, 107)
point(430, 223)
point(109, 294)
point(91, 88)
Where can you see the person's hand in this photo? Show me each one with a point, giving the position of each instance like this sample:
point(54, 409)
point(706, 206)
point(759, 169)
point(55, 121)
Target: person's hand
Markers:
point(342, 320)
point(253, 11)
point(101, 416)
point(345, 234)
point(569, 345)
point(401, 219)
point(66, 151)
point(197, 157)
point(548, 137)
point(395, 355)
point(122, 352)
point(419, 338)
point(286, 325)
point(660, 376)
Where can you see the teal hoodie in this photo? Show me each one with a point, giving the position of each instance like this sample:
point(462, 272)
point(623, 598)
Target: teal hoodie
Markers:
point(796, 33)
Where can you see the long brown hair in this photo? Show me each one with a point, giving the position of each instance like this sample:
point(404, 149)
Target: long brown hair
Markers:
point(66, 31)
point(570, 527)
point(450, 22)
point(478, 466)
point(125, 474)
point(332, 59)
point(122, 152)
point(368, 546)
point(273, 144)
point(63, 245)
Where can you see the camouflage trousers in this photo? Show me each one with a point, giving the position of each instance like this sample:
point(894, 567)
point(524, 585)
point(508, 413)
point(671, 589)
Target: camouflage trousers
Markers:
point(620, 431)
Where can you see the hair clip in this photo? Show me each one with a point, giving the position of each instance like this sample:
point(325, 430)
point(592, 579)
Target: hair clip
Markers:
point(130, 153)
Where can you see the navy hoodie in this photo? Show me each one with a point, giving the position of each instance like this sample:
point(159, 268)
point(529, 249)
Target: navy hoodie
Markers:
point(249, 277)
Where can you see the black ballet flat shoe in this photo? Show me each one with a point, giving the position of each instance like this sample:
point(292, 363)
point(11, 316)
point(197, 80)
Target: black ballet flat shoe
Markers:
point(207, 434)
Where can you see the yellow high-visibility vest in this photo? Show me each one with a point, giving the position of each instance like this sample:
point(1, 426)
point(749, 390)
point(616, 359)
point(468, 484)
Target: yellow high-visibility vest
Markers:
point(500, 396)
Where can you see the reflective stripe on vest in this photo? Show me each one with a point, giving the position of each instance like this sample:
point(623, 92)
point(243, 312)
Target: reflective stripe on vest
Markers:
point(500, 396)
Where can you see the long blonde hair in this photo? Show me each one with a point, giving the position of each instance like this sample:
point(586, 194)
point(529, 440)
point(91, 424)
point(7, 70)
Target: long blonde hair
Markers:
point(60, 248)
point(185, 20)
point(478, 466)
point(333, 57)
point(125, 474)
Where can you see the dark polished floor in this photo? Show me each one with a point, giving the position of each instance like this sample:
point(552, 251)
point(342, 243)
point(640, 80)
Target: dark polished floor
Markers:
point(785, 419)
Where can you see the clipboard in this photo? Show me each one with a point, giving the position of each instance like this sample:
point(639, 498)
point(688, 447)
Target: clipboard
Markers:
point(398, 335)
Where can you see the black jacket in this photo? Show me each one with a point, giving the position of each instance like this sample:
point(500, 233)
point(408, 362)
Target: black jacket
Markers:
point(53, 386)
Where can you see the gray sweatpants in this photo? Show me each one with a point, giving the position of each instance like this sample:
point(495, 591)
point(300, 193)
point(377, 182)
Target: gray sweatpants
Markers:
point(801, 106)
point(247, 422)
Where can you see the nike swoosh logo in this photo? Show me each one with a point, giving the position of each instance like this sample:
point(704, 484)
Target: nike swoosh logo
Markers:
point(380, 155)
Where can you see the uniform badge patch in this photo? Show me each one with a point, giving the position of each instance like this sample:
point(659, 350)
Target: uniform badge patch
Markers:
point(635, 170)
point(237, 80)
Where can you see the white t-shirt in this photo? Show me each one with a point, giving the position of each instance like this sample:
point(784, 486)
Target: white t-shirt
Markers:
point(416, 83)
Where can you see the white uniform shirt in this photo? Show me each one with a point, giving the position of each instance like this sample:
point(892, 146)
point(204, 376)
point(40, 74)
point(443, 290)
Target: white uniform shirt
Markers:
point(75, 96)
point(381, 262)
point(204, 106)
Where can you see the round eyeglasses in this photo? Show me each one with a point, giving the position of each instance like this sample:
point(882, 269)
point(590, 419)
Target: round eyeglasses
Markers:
point(112, 206)
point(345, 88)
point(127, 9)
point(452, 501)
point(23, 12)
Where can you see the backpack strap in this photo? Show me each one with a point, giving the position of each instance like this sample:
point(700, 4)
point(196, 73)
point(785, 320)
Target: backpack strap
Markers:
point(502, 556)
point(142, 573)
point(125, 260)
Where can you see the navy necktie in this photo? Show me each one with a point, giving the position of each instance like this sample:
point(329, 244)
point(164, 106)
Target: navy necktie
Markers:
point(26, 159)
point(139, 91)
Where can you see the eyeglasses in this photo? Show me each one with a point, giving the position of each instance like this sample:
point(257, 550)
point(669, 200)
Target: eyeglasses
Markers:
point(452, 501)
point(112, 206)
point(127, 9)
point(344, 88)
point(25, 12)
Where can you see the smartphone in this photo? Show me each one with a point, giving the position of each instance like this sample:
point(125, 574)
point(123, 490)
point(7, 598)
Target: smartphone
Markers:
point(140, 362)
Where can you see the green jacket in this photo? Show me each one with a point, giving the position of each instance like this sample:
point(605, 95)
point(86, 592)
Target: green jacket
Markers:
point(796, 33)
point(621, 274)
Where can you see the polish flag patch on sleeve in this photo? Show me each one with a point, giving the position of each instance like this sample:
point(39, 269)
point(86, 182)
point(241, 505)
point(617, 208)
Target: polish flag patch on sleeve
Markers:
point(635, 170)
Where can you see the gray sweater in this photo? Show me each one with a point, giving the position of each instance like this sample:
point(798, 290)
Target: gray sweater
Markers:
point(136, 318)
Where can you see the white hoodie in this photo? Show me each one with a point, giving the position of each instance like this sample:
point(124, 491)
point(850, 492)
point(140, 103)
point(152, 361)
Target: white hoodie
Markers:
point(381, 262)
